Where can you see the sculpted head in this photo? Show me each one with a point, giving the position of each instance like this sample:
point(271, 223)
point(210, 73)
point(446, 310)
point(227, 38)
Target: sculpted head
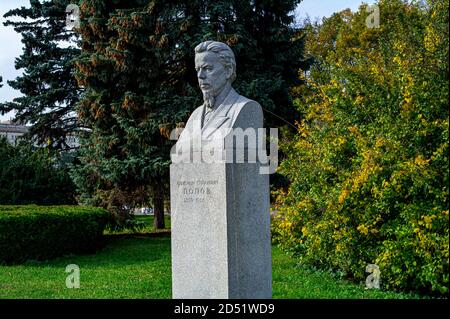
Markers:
point(216, 68)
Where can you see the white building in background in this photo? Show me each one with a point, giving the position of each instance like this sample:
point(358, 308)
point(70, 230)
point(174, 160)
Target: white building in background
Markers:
point(12, 132)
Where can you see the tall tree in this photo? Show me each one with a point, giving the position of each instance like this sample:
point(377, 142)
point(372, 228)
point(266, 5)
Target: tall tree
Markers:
point(137, 68)
point(49, 88)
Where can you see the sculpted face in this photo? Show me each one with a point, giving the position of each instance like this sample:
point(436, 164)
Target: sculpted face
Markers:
point(211, 73)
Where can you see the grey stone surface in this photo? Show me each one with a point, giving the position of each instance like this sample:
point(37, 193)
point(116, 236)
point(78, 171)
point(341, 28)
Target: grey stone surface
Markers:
point(220, 231)
point(220, 204)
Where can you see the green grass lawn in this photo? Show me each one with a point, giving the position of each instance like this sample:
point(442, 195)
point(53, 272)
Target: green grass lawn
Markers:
point(139, 267)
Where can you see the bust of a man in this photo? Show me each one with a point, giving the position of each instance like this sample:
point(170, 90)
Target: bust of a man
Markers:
point(223, 109)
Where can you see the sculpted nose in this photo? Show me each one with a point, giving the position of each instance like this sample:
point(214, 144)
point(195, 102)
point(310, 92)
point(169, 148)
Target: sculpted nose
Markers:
point(201, 74)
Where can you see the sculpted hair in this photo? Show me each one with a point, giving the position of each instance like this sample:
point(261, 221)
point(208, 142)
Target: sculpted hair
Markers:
point(226, 55)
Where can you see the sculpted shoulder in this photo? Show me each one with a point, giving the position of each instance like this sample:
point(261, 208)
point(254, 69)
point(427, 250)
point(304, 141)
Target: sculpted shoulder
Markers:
point(247, 113)
point(197, 112)
point(196, 115)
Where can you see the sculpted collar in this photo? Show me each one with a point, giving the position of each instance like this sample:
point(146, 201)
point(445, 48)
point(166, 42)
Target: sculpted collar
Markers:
point(220, 115)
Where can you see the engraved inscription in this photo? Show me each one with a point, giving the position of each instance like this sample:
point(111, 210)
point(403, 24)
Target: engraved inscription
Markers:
point(196, 191)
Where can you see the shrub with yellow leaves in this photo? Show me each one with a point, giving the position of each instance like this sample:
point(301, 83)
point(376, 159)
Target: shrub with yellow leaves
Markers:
point(369, 166)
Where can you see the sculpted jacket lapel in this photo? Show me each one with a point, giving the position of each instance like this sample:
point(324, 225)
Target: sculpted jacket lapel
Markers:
point(221, 115)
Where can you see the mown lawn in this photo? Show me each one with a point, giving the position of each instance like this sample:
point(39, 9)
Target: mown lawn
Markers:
point(139, 267)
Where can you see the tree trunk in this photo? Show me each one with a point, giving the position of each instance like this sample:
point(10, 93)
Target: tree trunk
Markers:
point(158, 206)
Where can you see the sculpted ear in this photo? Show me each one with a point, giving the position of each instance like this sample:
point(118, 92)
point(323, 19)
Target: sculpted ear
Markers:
point(229, 71)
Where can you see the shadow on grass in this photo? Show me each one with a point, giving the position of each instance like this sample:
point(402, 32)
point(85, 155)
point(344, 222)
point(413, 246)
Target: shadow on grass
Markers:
point(117, 250)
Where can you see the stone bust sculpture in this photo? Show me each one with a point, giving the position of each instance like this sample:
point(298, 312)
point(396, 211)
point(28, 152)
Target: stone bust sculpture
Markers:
point(223, 109)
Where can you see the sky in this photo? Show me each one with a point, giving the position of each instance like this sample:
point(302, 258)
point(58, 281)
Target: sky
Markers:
point(11, 45)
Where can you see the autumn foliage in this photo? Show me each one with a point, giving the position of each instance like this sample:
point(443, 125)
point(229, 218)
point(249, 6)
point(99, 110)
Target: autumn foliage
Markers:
point(369, 165)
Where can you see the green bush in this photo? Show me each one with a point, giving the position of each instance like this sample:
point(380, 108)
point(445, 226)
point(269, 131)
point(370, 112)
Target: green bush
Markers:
point(31, 175)
point(369, 166)
point(43, 232)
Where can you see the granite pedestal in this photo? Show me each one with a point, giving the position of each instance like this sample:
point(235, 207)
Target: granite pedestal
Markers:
point(220, 223)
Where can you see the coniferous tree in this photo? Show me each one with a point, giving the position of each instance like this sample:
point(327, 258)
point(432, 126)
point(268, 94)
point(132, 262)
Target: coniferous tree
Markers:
point(137, 69)
point(49, 89)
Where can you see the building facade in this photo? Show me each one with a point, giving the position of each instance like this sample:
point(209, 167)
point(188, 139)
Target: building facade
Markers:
point(13, 132)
